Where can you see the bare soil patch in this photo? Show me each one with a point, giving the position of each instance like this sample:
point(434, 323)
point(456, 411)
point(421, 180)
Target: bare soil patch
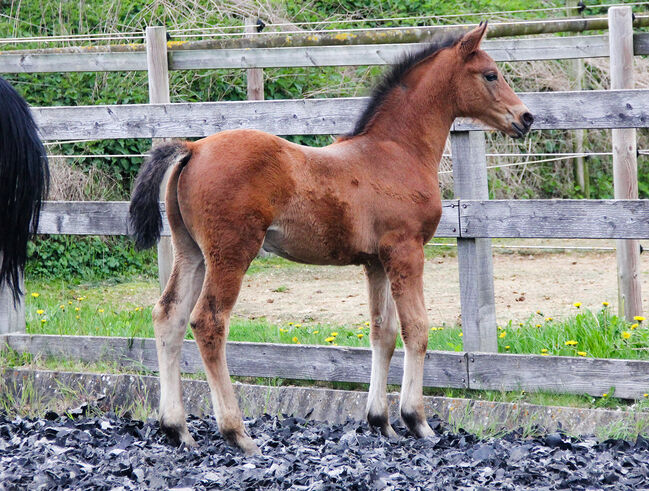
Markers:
point(524, 284)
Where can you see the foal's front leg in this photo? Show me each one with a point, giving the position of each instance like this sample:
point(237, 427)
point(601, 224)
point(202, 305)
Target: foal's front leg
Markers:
point(382, 338)
point(404, 264)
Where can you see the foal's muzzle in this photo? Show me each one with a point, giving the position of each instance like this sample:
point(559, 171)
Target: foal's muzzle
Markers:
point(523, 125)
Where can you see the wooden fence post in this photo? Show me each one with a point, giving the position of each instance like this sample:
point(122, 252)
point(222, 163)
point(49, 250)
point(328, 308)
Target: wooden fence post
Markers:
point(158, 71)
point(12, 316)
point(255, 82)
point(581, 171)
point(254, 76)
point(474, 255)
point(625, 164)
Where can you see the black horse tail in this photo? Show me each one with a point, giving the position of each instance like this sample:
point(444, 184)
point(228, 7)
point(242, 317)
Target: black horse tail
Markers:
point(24, 183)
point(144, 211)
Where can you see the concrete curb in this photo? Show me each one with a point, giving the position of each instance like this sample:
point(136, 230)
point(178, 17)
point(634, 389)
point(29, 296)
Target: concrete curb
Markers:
point(60, 390)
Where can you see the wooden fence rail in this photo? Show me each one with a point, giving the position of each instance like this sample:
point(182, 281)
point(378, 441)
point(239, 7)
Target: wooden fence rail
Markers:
point(470, 370)
point(550, 48)
point(470, 219)
point(595, 109)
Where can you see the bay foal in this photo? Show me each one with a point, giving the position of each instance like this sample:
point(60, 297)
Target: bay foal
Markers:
point(371, 198)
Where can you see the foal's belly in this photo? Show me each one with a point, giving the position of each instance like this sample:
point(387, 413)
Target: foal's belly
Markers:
point(309, 246)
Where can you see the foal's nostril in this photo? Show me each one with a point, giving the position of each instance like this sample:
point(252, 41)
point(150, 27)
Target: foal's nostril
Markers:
point(527, 119)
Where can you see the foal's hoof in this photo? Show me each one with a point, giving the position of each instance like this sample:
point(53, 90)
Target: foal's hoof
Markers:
point(416, 425)
point(246, 444)
point(382, 424)
point(178, 435)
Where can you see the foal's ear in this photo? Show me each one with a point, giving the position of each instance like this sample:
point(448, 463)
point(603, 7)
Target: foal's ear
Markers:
point(470, 42)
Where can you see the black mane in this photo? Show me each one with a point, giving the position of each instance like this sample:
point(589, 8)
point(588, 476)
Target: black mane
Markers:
point(395, 74)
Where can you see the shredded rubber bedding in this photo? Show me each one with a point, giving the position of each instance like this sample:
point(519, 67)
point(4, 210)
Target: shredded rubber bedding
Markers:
point(108, 452)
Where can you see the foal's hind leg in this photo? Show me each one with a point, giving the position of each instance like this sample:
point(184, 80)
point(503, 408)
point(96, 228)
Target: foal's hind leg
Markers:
point(404, 264)
point(382, 337)
point(227, 259)
point(170, 318)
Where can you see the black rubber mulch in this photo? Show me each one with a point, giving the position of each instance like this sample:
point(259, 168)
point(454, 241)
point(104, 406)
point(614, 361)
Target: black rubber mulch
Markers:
point(108, 452)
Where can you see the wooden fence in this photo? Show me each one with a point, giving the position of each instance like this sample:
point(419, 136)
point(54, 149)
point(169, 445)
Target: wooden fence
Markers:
point(471, 218)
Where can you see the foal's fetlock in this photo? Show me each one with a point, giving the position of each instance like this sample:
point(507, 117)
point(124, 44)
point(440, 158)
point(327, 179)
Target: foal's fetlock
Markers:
point(416, 423)
point(177, 433)
point(381, 423)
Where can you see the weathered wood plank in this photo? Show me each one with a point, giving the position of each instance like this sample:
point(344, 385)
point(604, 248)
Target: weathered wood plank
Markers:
point(546, 48)
point(88, 218)
point(477, 298)
point(567, 110)
point(598, 219)
point(593, 219)
point(67, 62)
point(625, 162)
point(641, 43)
point(12, 314)
point(334, 364)
point(111, 218)
point(594, 376)
point(158, 77)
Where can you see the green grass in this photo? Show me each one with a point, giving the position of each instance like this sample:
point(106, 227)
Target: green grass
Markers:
point(117, 309)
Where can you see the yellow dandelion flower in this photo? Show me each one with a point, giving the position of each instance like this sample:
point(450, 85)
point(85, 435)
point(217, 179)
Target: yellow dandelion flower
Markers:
point(334, 334)
point(69, 302)
point(43, 321)
point(604, 394)
point(520, 324)
point(367, 323)
point(298, 325)
point(330, 339)
point(544, 354)
point(283, 330)
point(294, 339)
point(101, 311)
point(538, 325)
point(502, 334)
point(638, 318)
point(79, 299)
point(645, 395)
point(577, 304)
point(62, 307)
point(290, 323)
point(36, 294)
point(78, 317)
point(506, 347)
point(77, 309)
point(571, 342)
point(539, 312)
point(582, 353)
point(548, 319)
point(634, 326)
point(461, 334)
point(360, 335)
point(544, 350)
point(40, 311)
point(605, 304)
point(316, 332)
point(626, 335)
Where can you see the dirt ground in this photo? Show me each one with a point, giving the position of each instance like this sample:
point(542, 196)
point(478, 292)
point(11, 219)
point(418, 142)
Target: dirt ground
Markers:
point(523, 284)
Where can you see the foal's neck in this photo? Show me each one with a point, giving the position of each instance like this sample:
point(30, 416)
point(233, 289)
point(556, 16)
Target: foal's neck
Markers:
point(418, 113)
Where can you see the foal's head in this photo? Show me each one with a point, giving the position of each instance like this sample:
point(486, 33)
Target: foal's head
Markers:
point(482, 92)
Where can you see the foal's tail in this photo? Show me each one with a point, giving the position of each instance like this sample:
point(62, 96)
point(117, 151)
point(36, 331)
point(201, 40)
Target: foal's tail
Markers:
point(24, 183)
point(144, 211)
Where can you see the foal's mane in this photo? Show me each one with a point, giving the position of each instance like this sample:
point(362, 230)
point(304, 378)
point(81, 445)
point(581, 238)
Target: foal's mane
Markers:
point(393, 77)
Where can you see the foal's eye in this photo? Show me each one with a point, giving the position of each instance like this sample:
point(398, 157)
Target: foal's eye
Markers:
point(491, 76)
